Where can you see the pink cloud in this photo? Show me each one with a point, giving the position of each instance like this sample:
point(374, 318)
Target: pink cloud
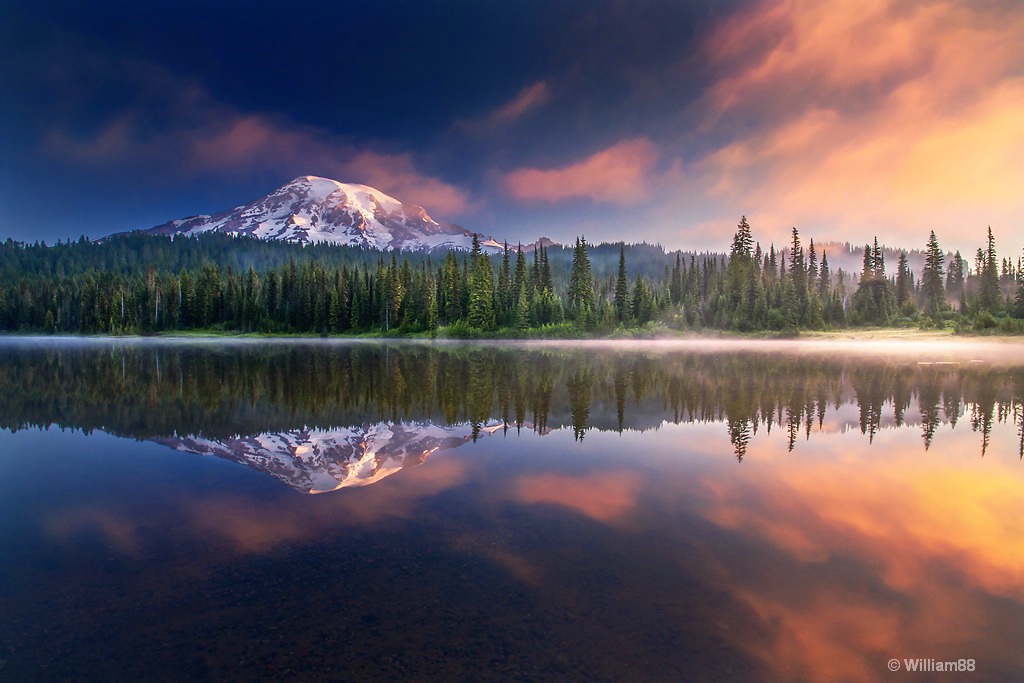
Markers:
point(606, 496)
point(622, 174)
point(396, 174)
point(526, 100)
point(212, 138)
point(868, 117)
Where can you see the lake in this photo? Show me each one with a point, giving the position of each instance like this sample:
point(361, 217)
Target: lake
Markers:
point(349, 510)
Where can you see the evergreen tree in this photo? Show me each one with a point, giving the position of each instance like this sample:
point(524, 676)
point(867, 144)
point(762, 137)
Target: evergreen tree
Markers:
point(641, 303)
point(581, 283)
point(812, 266)
point(991, 299)
point(520, 280)
point(504, 293)
point(742, 241)
point(546, 280)
point(955, 275)
point(676, 285)
point(933, 294)
point(874, 302)
point(622, 288)
point(522, 309)
point(902, 280)
point(824, 276)
point(798, 269)
point(481, 290)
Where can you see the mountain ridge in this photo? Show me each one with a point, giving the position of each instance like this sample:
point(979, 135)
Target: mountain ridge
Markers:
point(312, 209)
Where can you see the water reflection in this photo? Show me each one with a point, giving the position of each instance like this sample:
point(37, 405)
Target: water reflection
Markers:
point(321, 416)
point(663, 515)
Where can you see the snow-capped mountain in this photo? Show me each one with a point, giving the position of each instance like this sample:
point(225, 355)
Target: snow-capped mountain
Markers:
point(319, 460)
point(312, 209)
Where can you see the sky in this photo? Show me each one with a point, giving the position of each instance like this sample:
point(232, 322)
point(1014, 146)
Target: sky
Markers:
point(638, 120)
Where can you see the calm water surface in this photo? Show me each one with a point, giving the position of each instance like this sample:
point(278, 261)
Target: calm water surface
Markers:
point(490, 512)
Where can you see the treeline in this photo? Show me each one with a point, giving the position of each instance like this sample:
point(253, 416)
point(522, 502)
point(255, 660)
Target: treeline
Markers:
point(139, 284)
point(173, 388)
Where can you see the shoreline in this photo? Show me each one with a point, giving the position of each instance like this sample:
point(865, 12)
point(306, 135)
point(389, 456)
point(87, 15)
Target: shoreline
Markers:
point(858, 334)
point(923, 345)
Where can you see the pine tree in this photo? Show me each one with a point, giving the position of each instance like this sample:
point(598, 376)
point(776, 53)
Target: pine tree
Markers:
point(546, 281)
point(812, 266)
point(581, 282)
point(955, 275)
point(798, 269)
point(742, 241)
point(520, 280)
point(933, 294)
point(874, 302)
point(481, 290)
point(641, 303)
point(676, 285)
point(504, 293)
point(522, 309)
point(902, 280)
point(622, 287)
point(991, 299)
point(824, 276)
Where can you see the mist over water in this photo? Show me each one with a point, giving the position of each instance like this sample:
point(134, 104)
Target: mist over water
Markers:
point(701, 510)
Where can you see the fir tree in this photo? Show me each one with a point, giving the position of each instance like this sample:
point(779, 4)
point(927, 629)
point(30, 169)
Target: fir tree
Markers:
point(676, 284)
point(991, 299)
point(481, 290)
point(581, 282)
point(798, 269)
point(933, 294)
point(622, 287)
point(824, 276)
point(902, 280)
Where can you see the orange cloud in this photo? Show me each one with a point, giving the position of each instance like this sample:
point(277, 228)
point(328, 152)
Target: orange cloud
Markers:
point(605, 496)
point(870, 117)
point(622, 174)
point(924, 542)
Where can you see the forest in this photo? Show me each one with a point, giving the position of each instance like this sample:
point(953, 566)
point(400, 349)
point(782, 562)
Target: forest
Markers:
point(148, 284)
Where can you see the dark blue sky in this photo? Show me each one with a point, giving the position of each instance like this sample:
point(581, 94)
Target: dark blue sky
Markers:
point(648, 120)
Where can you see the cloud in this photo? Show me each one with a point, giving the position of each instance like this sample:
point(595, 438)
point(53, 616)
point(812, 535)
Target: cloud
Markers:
point(621, 174)
point(526, 100)
point(196, 135)
point(604, 496)
point(249, 528)
point(925, 552)
point(398, 172)
point(868, 117)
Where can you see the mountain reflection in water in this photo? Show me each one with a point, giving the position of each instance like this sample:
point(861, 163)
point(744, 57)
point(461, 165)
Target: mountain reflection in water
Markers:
point(605, 513)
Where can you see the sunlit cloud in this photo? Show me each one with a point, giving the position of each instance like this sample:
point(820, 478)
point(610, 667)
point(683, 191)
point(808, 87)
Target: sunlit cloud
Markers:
point(852, 119)
point(890, 523)
point(621, 174)
point(604, 496)
point(213, 139)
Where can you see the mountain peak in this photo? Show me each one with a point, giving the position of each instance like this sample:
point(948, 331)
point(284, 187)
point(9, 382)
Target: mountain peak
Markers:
point(311, 209)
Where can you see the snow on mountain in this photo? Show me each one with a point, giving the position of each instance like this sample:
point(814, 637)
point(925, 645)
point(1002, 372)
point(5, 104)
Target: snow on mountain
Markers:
point(311, 209)
point(320, 460)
